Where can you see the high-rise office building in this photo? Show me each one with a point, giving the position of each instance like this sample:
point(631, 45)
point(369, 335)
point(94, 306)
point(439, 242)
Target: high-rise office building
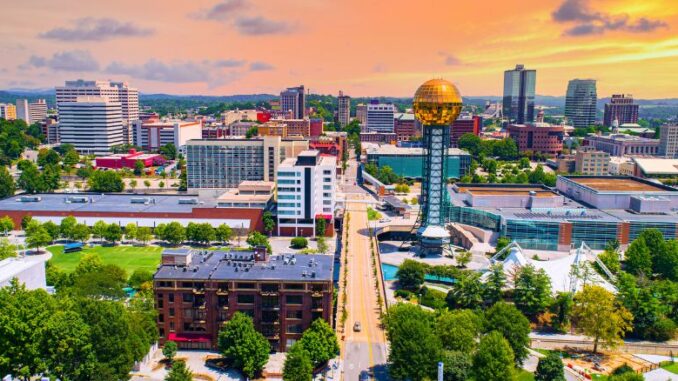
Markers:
point(380, 117)
point(518, 101)
point(7, 111)
point(117, 92)
point(91, 124)
point(225, 163)
point(580, 102)
point(22, 110)
point(306, 192)
point(361, 115)
point(343, 109)
point(31, 112)
point(294, 99)
point(668, 141)
point(622, 109)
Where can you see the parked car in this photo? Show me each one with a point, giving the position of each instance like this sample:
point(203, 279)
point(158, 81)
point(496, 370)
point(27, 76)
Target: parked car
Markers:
point(357, 327)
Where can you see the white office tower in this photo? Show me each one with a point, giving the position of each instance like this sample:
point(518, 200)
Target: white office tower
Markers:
point(128, 97)
point(91, 124)
point(306, 192)
point(380, 117)
point(22, 110)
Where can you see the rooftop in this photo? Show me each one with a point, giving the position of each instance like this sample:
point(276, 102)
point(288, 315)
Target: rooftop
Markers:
point(235, 265)
point(657, 166)
point(617, 184)
point(539, 191)
point(621, 138)
point(97, 202)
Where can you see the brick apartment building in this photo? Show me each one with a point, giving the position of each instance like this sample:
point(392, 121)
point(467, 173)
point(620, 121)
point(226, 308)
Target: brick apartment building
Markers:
point(541, 138)
point(465, 125)
point(196, 292)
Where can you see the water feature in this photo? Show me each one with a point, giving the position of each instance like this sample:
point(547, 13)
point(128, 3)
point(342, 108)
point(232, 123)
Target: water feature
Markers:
point(390, 271)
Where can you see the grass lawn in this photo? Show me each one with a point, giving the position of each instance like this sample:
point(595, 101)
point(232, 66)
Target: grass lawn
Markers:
point(524, 375)
point(129, 258)
point(671, 367)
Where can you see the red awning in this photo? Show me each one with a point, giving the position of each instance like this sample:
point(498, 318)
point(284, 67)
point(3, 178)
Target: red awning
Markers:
point(324, 216)
point(189, 338)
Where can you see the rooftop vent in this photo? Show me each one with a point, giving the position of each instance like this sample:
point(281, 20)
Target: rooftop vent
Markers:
point(76, 200)
point(188, 201)
point(30, 199)
point(140, 200)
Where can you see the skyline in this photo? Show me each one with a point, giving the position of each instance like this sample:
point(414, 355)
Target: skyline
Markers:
point(230, 47)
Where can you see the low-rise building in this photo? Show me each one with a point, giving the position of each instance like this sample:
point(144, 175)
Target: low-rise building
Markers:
point(7, 111)
point(543, 138)
point(378, 137)
point(29, 271)
point(156, 133)
point(306, 192)
point(197, 291)
point(655, 167)
point(621, 165)
point(406, 126)
point(591, 162)
point(408, 162)
point(465, 124)
point(622, 144)
point(129, 160)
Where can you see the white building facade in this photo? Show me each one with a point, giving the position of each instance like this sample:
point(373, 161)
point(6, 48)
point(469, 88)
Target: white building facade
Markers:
point(91, 124)
point(306, 192)
point(380, 117)
point(128, 97)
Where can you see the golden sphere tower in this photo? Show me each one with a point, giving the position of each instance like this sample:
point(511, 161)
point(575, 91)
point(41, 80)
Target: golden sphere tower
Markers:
point(437, 104)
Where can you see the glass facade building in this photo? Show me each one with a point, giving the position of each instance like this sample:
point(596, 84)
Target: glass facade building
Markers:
point(533, 234)
point(580, 102)
point(410, 165)
point(519, 90)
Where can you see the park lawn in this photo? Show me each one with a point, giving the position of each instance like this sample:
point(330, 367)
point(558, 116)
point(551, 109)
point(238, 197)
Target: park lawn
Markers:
point(130, 258)
point(671, 367)
point(523, 375)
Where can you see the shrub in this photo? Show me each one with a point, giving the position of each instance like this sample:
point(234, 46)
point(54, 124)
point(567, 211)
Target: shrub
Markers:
point(299, 242)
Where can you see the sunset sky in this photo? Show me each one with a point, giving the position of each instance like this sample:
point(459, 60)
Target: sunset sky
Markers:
point(362, 47)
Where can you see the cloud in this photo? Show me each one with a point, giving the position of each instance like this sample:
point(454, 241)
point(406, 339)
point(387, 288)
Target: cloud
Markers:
point(74, 60)
point(589, 22)
point(92, 29)
point(450, 59)
point(155, 70)
point(229, 63)
point(257, 26)
point(223, 11)
point(261, 66)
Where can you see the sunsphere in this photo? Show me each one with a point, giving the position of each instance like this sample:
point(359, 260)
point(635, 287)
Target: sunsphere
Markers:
point(437, 102)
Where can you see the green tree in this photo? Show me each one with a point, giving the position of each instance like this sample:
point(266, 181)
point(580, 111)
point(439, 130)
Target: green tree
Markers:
point(626, 376)
point(99, 229)
point(113, 233)
point(223, 233)
point(169, 150)
point(81, 233)
point(252, 132)
point(666, 261)
point(467, 291)
point(457, 365)
point(299, 242)
point(7, 186)
point(610, 259)
point(411, 274)
point(415, 348)
point(139, 168)
point(144, 234)
point(495, 284)
point(200, 233)
point(37, 237)
point(67, 350)
point(67, 226)
point(550, 368)
point(320, 341)
point(510, 322)
point(471, 143)
point(320, 227)
point(48, 156)
point(463, 258)
point(147, 184)
point(297, 365)
point(562, 308)
point(50, 178)
point(169, 350)
point(30, 179)
point(52, 229)
point(598, 316)
point(257, 239)
point(654, 240)
point(269, 222)
point(173, 233)
point(458, 330)
point(106, 181)
point(322, 245)
point(71, 157)
point(6, 225)
point(494, 359)
point(131, 231)
point(638, 258)
point(240, 342)
point(139, 277)
point(179, 372)
point(7, 250)
point(532, 293)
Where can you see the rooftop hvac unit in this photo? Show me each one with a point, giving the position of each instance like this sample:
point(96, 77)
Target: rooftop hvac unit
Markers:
point(188, 201)
point(30, 199)
point(140, 200)
point(76, 200)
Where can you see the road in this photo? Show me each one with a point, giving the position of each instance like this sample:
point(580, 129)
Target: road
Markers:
point(365, 350)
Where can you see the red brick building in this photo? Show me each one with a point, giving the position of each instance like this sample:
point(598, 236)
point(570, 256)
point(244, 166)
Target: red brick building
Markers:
point(406, 127)
point(196, 292)
point(541, 138)
point(128, 160)
point(470, 125)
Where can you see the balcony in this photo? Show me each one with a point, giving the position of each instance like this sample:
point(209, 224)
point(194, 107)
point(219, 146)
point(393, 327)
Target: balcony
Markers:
point(269, 293)
point(199, 291)
point(224, 307)
point(270, 307)
point(221, 292)
point(317, 294)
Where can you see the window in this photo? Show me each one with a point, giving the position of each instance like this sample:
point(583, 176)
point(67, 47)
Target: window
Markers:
point(327, 172)
point(287, 174)
point(294, 286)
point(327, 180)
point(161, 318)
point(295, 314)
point(295, 328)
point(282, 181)
point(249, 286)
point(187, 297)
point(171, 298)
point(294, 299)
point(171, 312)
point(245, 299)
point(327, 187)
